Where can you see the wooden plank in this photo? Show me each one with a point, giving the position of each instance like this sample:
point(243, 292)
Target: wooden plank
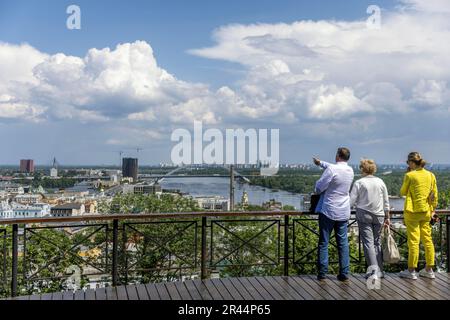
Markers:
point(322, 287)
point(246, 294)
point(192, 289)
point(345, 287)
point(419, 288)
point(442, 286)
point(46, 296)
point(173, 292)
point(142, 292)
point(441, 279)
point(100, 294)
point(283, 288)
point(398, 290)
point(445, 276)
point(57, 296)
point(340, 289)
point(131, 292)
point(231, 289)
point(328, 286)
point(89, 294)
point(111, 293)
point(79, 295)
point(215, 294)
point(430, 285)
point(408, 286)
point(162, 291)
point(258, 287)
point(387, 292)
point(272, 289)
point(35, 297)
point(299, 283)
point(152, 291)
point(364, 291)
point(255, 293)
point(68, 295)
point(315, 286)
point(121, 293)
point(202, 290)
point(296, 287)
point(283, 284)
point(222, 289)
point(182, 290)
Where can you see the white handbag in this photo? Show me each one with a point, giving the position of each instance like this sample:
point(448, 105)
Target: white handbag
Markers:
point(391, 254)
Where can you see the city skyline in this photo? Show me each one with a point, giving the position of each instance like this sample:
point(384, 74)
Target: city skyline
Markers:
point(133, 74)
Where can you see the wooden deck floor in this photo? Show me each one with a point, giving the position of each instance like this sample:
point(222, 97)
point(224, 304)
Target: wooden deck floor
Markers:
point(302, 287)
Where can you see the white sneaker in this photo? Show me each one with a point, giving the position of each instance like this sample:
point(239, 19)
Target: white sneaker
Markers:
point(408, 275)
point(427, 274)
point(380, 274)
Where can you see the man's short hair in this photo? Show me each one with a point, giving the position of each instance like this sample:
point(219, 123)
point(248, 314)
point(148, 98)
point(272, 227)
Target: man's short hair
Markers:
point(343, 153)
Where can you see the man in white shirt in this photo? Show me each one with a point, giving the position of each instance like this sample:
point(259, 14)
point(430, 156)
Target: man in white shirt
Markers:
point(334, 211)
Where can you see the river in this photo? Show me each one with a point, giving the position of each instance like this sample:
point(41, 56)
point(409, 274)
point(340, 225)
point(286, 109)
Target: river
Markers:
point(211, 186)
point(219, 186)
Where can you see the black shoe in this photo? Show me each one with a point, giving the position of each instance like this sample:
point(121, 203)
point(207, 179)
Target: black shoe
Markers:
point(321, 277)
point(343, 278)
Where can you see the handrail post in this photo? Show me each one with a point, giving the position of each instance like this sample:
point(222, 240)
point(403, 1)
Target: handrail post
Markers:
point(447, 226)
point(286, 245)
point(114, 253)
point(203, 273)
point(15, 256)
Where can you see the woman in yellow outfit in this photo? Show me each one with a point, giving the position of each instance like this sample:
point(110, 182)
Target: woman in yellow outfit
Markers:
point(419, 188)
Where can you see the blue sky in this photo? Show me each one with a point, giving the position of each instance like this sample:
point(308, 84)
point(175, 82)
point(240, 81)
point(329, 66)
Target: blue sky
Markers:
point(171, 26)
point(309, 68)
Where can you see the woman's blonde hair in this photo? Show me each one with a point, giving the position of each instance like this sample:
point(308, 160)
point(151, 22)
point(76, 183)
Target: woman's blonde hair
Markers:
point(417, 159)
point(368, 166)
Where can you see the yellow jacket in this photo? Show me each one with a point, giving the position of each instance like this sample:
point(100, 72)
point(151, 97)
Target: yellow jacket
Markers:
point(417, 187)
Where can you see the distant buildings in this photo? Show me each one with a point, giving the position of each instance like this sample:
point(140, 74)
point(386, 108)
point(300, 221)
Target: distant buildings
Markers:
point(27, 165)
point(12, 188)
point(272, 205)
point(141, 188)
point(130, 168)
point(213, 203)
point(147, 189)
point(28, 198)
point(67, 210)
point(17, 210)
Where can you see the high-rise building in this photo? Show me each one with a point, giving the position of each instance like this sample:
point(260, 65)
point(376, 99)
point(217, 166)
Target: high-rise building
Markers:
point(27, 165)
point(130, 168)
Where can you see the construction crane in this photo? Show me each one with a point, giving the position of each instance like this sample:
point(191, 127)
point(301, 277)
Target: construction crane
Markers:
point(138, 149)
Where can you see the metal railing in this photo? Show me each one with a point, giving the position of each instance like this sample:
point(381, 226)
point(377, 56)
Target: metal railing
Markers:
point(129, 248)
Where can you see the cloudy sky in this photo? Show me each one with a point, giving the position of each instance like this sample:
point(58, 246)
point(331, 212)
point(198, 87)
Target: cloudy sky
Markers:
point(139, 69)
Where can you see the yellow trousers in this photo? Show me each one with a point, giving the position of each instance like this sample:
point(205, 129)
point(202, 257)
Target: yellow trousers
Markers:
point(418, 230)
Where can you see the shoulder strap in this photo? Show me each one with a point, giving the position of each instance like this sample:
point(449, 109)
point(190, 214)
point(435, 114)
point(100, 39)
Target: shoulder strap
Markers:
point(431, 183)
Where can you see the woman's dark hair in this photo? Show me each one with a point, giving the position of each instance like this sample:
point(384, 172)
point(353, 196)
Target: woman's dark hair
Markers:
point(416, 158)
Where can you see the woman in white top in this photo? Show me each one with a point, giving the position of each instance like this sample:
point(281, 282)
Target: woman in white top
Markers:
point(370, 197)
